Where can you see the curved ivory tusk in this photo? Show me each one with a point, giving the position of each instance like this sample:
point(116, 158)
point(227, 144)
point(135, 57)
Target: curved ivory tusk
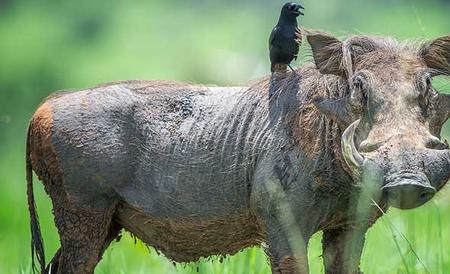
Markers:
point(352, 157)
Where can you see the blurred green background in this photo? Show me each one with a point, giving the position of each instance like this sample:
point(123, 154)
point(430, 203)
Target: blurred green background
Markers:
point(52, 45)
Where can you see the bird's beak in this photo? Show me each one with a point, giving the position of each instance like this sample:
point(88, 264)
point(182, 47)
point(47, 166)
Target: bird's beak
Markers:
point(297, 11)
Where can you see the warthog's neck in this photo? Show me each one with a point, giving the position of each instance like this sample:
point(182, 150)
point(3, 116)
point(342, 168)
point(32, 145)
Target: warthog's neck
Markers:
point(319, 138)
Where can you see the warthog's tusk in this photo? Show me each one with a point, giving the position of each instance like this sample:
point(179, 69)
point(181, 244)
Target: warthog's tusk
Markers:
point(352, 157)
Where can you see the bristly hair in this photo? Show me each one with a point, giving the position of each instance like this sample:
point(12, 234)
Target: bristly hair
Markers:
point(315, 133)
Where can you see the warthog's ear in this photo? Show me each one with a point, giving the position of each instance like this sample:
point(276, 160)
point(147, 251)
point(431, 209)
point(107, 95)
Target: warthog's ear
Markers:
point(440, 112)
point(327, 53)
point(344, 110)
point(336, 109)
point(436, 54)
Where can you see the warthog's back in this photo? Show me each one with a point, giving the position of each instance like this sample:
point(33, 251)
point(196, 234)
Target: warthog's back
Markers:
point(164, 148)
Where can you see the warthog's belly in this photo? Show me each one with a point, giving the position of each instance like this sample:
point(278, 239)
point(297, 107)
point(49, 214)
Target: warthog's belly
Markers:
point(186, 240)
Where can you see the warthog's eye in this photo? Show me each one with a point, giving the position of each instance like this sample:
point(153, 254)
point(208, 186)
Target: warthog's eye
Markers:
point(359, 82)
point(425, 89)
point(425, 83)
point(428, 81)
point(360, 85)
point(358, 95)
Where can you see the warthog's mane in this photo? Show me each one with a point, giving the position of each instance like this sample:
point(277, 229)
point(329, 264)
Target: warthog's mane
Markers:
point(312, 84)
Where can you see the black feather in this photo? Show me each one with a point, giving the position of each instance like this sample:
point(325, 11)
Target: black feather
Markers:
point(285, 38)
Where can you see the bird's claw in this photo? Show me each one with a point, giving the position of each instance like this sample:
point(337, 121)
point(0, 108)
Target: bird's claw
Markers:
point(292, 69)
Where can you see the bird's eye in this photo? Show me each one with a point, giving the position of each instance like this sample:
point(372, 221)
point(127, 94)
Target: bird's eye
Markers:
point(291, 7)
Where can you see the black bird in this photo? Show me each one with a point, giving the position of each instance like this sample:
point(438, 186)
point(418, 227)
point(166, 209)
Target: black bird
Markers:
point(286, 37)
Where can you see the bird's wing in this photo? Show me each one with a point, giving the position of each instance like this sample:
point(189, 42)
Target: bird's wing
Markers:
point(273, 34)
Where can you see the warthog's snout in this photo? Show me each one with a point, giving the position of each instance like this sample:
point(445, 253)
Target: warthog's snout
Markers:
point(407, 191)
point(413, 175)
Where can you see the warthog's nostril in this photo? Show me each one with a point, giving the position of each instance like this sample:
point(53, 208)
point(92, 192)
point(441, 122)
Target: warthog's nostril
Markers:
point(425, 196)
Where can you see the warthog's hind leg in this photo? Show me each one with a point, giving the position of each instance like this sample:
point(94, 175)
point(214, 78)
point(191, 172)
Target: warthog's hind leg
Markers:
point(84, 234)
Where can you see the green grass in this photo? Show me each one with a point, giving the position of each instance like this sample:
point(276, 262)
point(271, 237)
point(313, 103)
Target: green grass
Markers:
point(51, 45)
point(426, 228)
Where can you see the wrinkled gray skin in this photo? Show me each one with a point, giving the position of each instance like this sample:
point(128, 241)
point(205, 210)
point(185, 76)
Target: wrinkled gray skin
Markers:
point(197, 171)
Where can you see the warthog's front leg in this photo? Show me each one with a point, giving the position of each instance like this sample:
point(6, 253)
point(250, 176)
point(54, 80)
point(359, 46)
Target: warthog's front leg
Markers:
point(287, 239)
point(287, 250)
point(342, 250)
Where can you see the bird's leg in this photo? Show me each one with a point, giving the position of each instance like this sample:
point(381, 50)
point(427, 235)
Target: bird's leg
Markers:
point(289, 65)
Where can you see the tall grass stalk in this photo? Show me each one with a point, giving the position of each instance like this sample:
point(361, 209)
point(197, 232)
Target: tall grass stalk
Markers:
point(395, 231)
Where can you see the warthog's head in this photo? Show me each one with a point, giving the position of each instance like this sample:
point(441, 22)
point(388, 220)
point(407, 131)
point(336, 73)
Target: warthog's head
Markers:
point(392, 115)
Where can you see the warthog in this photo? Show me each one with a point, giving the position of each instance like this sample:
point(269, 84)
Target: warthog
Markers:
point(196, 171)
